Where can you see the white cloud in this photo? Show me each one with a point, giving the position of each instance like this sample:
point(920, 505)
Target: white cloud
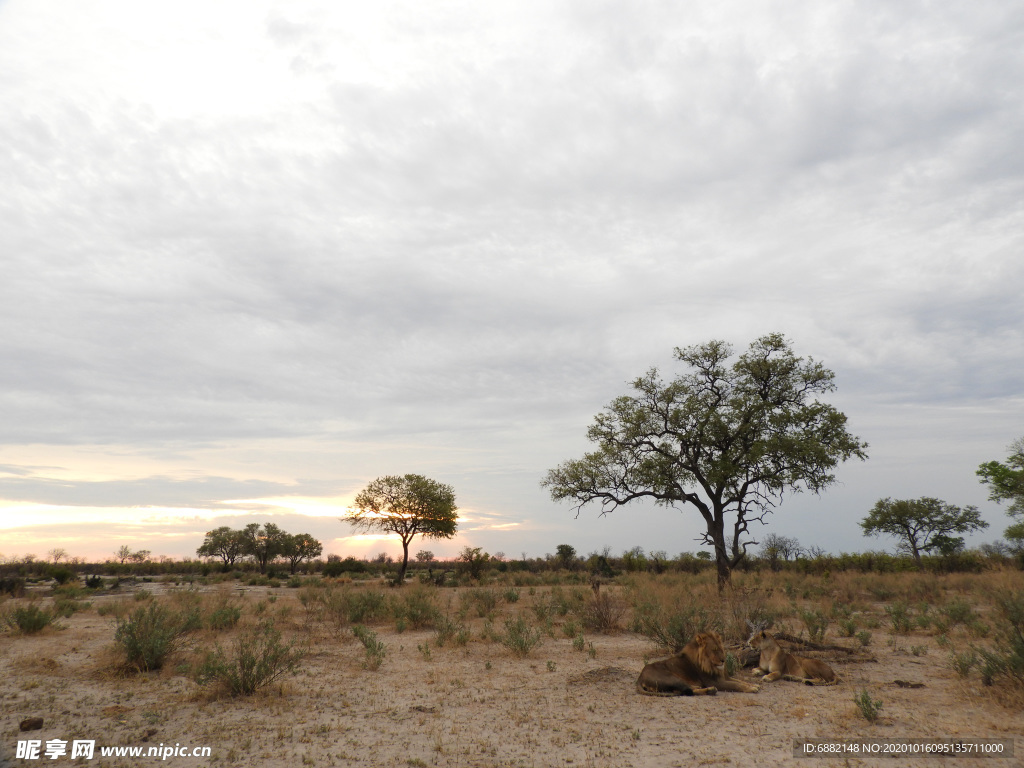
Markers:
point(453, 231)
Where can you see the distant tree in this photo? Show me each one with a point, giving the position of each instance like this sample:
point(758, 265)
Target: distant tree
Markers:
point(298, 547)
point(1006, 483)
point(922, 524)
point(566, 555)
point(57, 554)
point(225, 543)
point(728, 440)
point(140, 556)
point(473, 560)
point(774, 547)
point(425, 556)
point(123, 554)
point(263, 544)
point(408, 506)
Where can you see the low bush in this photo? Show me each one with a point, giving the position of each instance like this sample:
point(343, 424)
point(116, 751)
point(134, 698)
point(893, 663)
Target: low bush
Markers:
point(1006, 657)
point(673, 630)
point(519, 638)
point(259, 658)
point(604, 614)
point(152, 633)
point(375, 648)
point(30, 619)
point(870, 709)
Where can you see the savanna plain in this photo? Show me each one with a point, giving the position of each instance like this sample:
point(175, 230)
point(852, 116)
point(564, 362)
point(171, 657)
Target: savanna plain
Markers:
point(512, 669)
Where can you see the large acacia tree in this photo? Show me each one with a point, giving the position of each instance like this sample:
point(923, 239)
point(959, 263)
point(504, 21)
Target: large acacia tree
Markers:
point(407, 505)
point(725, 439)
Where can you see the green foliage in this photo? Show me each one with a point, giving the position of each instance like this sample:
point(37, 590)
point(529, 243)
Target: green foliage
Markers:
point(483, 600)
point(472, 561)
point(375, 648)
point(1006, 657)
point(224, 543)
point(816, 622)
point(366, 605)
point(869, 708)
point(30, 619)
point(729, 440)
point(259, 659)
point(418, 606)
point(922, 524)
point(899, 617)
point(407, 506)
point(224, 617)
point(962, 663)
point(1006, 481)
point(152, 633)
point(511, 595)
point(12, 585)
point(62, 575)
point(519, 637)
point(864, 638)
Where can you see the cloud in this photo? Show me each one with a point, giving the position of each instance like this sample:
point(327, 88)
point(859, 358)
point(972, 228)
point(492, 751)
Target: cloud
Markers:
point(456, 231)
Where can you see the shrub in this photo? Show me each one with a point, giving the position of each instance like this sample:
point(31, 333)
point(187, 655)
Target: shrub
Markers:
point(375, 649)
point(62, 575)
point(418, 607)
point(94, 582)
point(511, 595)
point(958, 611)
point(519, 638)
point(30, 619)
point(224, 617)
point(259, 659)
point(66, 608)
point(816, 623)
point(1006, 658)
point(604, 614)
point(449, 630)
point(152, 633)
point(13, 586)
point(367, 605)
point(673, 630)
point(484, 600)
point(899, 616)
point(963, 663)
point(869, 708)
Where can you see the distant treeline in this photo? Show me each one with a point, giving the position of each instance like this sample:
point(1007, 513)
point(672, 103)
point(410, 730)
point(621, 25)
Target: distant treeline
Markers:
point(475, 563)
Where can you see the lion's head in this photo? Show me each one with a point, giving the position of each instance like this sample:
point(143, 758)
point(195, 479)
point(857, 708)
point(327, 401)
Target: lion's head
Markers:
point(708, 652)
point(758, 639)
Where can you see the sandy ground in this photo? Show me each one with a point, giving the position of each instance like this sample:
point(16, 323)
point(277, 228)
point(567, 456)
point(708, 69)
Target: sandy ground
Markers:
point(476, 705)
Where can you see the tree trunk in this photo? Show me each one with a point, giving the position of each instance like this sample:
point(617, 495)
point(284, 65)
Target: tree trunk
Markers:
point(405, 562)
point(721, 558)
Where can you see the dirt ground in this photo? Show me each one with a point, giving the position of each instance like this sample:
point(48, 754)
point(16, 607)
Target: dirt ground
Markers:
point(476, 705)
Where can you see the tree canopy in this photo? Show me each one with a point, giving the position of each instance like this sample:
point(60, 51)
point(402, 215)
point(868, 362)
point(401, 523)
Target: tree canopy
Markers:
point(407, 505)
point(1006, 483)
point(728, 440)
point(225, 543)
point(922, 525)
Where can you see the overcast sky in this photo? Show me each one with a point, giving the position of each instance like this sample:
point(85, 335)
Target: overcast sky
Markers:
point(256, 254)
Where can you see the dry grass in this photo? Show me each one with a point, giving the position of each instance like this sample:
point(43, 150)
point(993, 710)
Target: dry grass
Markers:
point(477, 703)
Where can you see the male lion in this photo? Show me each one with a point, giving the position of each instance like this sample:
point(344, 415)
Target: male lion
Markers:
point(697, 670)
point(777, 662)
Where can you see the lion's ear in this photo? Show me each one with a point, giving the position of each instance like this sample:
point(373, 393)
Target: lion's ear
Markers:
point(701, 640)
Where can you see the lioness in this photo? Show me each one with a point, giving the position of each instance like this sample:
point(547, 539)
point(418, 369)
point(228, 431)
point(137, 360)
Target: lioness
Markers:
point(697, 670)
point(777, 662)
